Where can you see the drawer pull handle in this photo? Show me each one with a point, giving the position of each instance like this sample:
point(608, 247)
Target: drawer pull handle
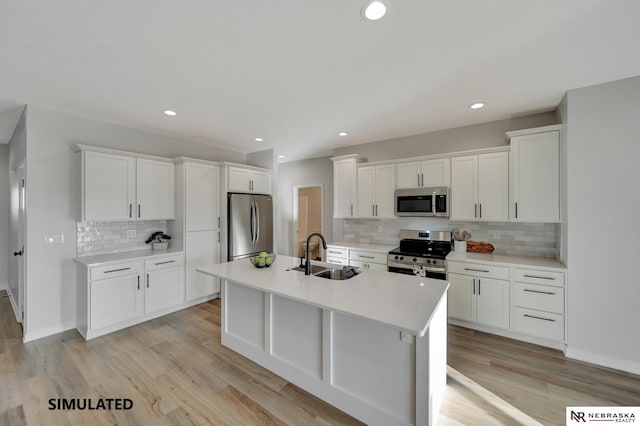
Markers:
point(476, 270)
point(163, 263)
point(366, 257)
point(334, 252)
point(539, 277)
point(551, 293)
point(540, 318)
point(116, 270)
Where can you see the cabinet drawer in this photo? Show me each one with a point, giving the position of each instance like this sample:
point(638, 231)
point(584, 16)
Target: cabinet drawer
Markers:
point(368, 256)
point(539, 297)
point(536, 323)
point(368, 265)
point(539, 277)
point(116, 270)
point(479, 270)
point(337, 252)
point(163, 262)
point(337, 260)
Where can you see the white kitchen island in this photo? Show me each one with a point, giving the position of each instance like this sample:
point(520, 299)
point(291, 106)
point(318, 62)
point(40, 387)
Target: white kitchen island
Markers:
point(374, 346)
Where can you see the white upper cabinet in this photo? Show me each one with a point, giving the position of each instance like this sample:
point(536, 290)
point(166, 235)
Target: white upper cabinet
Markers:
point(344, 187)
point(480, 187)
point(108, 186)
point(116, 186)
point(376, 185)
point(249, 180)
point(535, 175)
point(202, 196)
point(155, 189)
point(427, 173)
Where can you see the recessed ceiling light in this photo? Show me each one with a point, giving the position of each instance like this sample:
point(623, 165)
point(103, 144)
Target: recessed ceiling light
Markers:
point(477, 105)
point(280, 156)
point(169, 112)
point(374, 10)
point(343, 134)
point(258, 139)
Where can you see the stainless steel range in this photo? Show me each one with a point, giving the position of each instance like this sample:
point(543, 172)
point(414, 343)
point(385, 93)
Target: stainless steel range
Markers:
point(426, 250)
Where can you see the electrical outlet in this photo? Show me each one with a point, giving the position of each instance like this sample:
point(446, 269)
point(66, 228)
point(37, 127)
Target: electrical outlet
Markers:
point(54, 239)
point(131, 233)
point(497, 235)
point(406, 337)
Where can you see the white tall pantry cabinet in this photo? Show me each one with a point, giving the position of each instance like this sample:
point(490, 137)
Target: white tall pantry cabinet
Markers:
point(345, 190)
point(535, 174)
point(197, 224)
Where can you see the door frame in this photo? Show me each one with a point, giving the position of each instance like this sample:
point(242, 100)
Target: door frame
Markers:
point(294, 222)
point(18, 301)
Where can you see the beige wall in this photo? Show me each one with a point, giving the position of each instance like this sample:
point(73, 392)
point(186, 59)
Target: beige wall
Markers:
point(314, 195)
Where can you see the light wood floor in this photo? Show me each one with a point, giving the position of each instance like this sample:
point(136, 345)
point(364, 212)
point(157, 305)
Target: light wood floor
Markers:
point(177, 373)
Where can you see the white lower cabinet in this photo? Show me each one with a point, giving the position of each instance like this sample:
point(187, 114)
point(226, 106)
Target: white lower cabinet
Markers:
point(368, 259)
point(478, 299)
point(201, 249)
point(115, 300)
point(514, 300)
point(337, 255)
point(538, 303)
point(118, 295)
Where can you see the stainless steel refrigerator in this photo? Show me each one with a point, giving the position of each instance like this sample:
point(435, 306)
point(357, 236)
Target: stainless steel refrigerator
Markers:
point(250, 225)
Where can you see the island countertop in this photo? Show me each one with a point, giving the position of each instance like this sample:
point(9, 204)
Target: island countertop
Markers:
point(405, 302)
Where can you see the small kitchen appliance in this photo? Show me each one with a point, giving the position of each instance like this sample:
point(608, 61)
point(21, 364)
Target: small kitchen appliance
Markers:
point(425, 249)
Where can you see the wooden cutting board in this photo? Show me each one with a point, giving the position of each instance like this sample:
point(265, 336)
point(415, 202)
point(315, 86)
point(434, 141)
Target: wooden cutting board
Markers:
point(480, 247)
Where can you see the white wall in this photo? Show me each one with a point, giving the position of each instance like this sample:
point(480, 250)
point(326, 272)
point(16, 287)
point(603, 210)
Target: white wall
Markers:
point(317, 171)
point(603, 201)
point(477, 136)
point(52, 199)
point(5, 195)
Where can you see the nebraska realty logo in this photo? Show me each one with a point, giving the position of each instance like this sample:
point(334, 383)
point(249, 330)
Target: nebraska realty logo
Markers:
point(602, 414)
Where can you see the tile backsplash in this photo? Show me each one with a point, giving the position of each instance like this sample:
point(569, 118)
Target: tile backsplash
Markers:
point(517, 239)
point(111, 237)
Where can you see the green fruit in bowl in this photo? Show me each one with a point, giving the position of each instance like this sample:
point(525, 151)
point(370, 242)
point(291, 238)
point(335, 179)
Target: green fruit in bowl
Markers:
point(263, 254)
point(268, 260)
point(260, 262)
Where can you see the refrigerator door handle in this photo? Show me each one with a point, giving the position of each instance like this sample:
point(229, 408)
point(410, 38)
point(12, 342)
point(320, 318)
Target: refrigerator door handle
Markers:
point(251, 222)
point(257, 210)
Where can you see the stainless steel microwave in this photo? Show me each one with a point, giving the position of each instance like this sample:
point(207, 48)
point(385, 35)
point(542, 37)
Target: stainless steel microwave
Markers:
point(422, 202)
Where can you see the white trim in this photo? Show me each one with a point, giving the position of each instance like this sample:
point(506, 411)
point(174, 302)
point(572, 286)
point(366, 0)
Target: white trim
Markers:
point(294, 213)
point(246, 166)
point(603, 360)
point(552, 128)
point(13, 305)
point(28, 337)
point(80, 147)
point(178, 160)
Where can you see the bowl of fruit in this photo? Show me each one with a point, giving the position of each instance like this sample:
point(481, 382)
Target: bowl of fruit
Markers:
point(263, 259)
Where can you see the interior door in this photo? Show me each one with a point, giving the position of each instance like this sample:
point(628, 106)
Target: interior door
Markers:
point(17, 239)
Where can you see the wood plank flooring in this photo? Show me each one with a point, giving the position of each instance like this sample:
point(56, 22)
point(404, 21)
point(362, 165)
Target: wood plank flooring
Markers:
point(176, 372)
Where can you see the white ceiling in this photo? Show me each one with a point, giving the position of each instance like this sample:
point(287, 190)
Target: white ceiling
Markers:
point(296, 72)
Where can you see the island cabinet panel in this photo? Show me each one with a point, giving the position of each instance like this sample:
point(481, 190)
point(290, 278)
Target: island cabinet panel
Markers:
point(297, 343)
point(246, 320)
point(364, 355)
point(375, 372)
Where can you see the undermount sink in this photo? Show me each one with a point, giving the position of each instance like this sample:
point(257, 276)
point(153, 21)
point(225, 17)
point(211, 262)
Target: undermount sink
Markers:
point(314, 269)
point(338, 274)
point(329, 273)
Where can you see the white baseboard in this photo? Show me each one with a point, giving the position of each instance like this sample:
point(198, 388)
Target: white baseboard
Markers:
point(14, 307)
point(603, 360)
point(28, 337)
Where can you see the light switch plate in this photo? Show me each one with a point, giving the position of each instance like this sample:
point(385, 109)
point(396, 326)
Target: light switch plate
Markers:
point(131, 233)
point(54, 239)
point(380, 228)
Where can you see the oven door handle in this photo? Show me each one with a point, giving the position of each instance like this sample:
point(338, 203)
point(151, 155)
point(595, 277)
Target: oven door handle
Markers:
point(399, 265)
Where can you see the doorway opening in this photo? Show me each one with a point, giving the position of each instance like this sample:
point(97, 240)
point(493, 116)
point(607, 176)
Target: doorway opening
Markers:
point(307, 219)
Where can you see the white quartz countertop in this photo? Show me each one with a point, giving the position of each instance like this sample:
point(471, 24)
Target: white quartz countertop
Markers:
point(506, 260)
point(404, 302)
point(376, 248)
point(105, 259)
